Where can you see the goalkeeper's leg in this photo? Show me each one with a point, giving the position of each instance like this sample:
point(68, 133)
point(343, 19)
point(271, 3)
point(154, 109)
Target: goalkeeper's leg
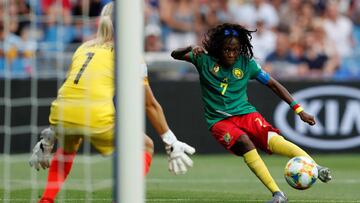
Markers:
point(278, 145)
point(148, 153)
point(60, 167)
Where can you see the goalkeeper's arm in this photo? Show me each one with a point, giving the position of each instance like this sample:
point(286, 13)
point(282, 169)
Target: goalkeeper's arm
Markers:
point(178, 159)
point(155, 112)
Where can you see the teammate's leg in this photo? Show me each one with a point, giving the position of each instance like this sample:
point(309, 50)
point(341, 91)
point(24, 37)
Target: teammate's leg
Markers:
point(148, 153)
point(60, 166)
point(278, 145)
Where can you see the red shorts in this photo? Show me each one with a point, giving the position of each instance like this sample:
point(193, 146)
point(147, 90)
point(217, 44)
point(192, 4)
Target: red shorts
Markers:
point(227, 131)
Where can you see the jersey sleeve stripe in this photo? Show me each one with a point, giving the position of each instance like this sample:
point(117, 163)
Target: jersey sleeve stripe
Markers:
point(263, 77)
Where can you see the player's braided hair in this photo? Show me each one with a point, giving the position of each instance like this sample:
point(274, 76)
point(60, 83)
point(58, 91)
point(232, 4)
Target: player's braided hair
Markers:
point(215, 38)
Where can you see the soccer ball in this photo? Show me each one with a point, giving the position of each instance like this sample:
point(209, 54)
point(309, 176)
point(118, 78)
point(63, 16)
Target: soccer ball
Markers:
point(301, 172)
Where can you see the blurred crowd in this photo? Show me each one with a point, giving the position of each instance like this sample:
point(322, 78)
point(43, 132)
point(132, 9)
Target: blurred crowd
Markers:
point(39, 35)
point(294, 39)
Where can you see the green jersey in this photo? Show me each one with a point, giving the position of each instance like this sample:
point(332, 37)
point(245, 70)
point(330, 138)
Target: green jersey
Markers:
point(224, 89)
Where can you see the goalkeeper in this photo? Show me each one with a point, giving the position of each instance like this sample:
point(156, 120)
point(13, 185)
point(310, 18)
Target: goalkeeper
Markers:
point(84, 108)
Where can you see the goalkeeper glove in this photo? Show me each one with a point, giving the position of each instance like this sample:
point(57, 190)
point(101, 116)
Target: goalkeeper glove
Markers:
point(179, 161)
point(42, 150)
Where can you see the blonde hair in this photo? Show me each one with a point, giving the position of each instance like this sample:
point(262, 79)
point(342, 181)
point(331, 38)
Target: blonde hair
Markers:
point(105, 31)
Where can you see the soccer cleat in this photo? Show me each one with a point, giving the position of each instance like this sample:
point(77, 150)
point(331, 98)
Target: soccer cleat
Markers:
point(324, 174)
point(278, 197)
point(46, 200)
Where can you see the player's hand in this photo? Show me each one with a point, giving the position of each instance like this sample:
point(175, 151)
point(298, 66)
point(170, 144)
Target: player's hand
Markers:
point(197, 50)
point(307, 118)
point(179, 161)
point(40, 157)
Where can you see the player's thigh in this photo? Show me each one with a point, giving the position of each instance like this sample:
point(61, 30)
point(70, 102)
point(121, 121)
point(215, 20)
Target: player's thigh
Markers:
point(226, 133)
point(103, 142)
point(257, 128)
point(70, 143)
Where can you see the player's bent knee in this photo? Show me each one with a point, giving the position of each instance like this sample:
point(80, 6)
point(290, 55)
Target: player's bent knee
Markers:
point(72, 145)
point(242, 145)
point(149, 144)
point(273, 136)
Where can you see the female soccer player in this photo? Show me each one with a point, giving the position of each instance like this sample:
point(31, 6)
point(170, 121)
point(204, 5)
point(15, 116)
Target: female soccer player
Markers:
point(84, 108)
point(225, 65)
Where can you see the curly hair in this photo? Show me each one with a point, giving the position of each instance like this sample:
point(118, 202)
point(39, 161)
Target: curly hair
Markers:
point(214, 39)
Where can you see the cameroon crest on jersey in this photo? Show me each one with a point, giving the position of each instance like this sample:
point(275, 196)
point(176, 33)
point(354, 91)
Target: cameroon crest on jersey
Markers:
point(237, 73)
point(215, 69)
point(227, 138)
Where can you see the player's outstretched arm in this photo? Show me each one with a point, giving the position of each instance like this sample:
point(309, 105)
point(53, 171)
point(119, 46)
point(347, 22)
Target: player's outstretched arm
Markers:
point(284, 94)
point(184, 53)
point(179, 161)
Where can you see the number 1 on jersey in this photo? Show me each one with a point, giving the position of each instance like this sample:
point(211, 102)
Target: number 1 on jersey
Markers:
point(89, 55)
point(224, 86)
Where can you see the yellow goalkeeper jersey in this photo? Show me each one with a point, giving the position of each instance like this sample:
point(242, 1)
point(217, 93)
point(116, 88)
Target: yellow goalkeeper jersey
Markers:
point(86, 97)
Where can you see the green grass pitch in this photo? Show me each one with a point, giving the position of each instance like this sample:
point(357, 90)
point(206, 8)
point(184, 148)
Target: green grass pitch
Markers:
point(214, 179)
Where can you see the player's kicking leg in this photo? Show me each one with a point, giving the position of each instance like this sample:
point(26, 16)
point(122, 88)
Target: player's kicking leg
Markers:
point(278, 145)
point(324, 174)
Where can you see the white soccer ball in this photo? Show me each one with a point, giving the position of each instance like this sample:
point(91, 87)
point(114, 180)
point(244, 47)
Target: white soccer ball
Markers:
point(301, 172)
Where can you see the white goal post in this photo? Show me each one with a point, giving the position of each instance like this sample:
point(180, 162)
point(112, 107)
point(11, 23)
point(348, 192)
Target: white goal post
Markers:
point(128, 161)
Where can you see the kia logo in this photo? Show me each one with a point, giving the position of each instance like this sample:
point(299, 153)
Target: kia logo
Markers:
point(336, 130)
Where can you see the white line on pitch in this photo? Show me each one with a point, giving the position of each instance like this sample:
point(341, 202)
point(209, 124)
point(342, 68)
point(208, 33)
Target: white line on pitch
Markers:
point(185, 200)
point(169, 180)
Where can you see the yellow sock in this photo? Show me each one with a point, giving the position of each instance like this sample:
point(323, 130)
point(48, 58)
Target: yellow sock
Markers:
point(279, 145)
point(256, 164)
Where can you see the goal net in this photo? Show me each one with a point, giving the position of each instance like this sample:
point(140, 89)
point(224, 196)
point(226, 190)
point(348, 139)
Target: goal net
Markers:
point(37, 41)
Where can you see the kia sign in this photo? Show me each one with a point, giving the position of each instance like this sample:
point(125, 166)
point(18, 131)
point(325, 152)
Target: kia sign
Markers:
point(336, 110)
